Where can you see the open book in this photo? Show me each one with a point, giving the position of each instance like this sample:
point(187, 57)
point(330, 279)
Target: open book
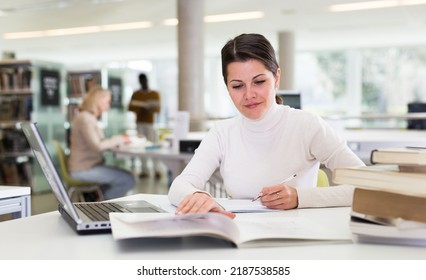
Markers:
point(243, 205)
point(247, 230)
point(145, 104)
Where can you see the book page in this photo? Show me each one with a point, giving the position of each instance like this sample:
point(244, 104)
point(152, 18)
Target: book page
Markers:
point(243, 205)
point(139, 143)
point(145, 104)
point(278, 228)
point(364, 227)
point(137, 225)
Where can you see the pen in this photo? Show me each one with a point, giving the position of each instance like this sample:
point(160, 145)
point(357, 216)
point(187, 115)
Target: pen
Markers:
point(284, 181)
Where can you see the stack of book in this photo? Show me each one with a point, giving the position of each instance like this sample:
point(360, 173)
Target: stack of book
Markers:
point(389, 202)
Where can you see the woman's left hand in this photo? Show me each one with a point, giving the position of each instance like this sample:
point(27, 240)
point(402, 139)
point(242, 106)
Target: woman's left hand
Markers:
point(281, 197)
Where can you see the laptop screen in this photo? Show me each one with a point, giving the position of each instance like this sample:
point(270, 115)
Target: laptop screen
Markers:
point(43, 157)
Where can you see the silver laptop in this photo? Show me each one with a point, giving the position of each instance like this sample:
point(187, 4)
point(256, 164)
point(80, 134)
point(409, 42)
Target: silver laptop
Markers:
point(85, 217)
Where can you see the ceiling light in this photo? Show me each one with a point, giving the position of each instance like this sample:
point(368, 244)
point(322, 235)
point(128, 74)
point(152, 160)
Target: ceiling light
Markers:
point(363, 6)
point(77, 30)
point(221, 18)
point(71, 31)
point(356, 6)
point(126, 26)
point(234, 16)
point(412, 2)
point(171, 22)
point(24, 35)
point(140, 65)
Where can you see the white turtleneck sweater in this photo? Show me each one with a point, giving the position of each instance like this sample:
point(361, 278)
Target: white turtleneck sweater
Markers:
point(253, 154)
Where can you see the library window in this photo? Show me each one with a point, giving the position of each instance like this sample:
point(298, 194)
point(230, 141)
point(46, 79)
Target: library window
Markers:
point(320, 77)
point(392, 78)
point(348, 82)
point(354, 82)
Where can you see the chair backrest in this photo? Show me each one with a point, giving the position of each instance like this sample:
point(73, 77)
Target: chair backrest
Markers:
point(68, 180)
point(322, 180)
point(62, 162)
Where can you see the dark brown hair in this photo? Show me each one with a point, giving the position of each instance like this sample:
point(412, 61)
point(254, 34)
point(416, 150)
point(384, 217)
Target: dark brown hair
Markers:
point(246, 47)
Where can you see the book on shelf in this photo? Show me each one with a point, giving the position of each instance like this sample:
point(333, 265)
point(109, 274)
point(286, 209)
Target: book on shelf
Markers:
point(367, 229)
point(77, 86)
point(80, 83)
point(408, 159)
point(6, 79)
point(15, 78)
point(25, 173)
point(244, 231)
point(383, 177)
point(14, 141)
point(15, 173)
point(15, 108)
point(10, 173)
point(72, 111)
point(389, 205)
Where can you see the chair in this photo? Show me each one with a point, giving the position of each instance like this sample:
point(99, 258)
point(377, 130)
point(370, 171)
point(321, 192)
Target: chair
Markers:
point(322, 180)
point(75, 187)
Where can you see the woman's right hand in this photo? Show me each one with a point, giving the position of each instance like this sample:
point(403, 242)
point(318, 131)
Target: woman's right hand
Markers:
point(200, 202)
point(127, 139)
point(121, 139)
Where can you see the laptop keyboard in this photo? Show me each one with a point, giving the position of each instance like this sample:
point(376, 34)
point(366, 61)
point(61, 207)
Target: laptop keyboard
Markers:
point(99, 211)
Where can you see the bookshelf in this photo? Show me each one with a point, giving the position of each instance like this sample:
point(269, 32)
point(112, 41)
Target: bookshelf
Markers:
point(79, 84)
point(16, 100)
point(29, 91)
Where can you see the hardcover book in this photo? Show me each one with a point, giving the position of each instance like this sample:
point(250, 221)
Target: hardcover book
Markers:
point(389, 205)
point(396, 233)
point(244, 231)
point(383, 177)
point(409, 159)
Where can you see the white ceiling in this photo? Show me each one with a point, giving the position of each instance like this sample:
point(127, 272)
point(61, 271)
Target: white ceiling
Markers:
point(314, 27)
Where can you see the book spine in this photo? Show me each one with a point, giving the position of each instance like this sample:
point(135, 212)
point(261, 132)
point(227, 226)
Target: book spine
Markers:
point(372, 156)
point(389, 205)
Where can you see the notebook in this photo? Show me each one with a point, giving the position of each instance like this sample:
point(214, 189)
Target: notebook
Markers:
point(84, 217)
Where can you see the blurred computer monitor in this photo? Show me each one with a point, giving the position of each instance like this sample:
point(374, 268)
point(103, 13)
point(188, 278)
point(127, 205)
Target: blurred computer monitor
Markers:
point(416, 107)
point(291, 98)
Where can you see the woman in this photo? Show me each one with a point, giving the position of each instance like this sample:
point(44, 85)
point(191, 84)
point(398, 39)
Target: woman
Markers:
point(268, 143)
point(86, 160)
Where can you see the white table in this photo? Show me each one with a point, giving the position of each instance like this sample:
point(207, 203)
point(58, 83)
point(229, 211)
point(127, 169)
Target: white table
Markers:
point(174, 160)
point(48, 236)
point(15, 200)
